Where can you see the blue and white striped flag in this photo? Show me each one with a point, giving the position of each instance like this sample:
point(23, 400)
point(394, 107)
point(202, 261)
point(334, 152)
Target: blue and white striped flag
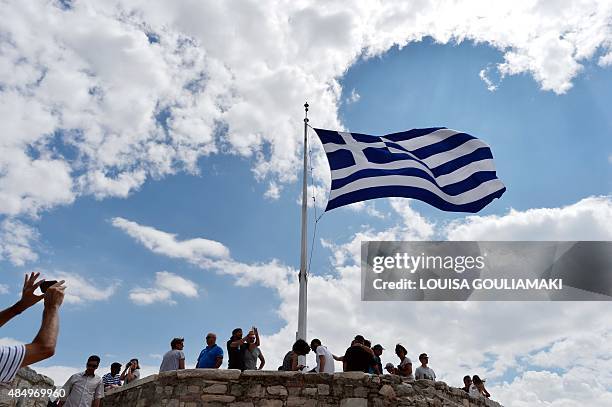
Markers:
point(450, 170)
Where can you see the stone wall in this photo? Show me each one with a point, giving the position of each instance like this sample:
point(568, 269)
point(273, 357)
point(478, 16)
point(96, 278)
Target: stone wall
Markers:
point(26, 379)
point(211, 387)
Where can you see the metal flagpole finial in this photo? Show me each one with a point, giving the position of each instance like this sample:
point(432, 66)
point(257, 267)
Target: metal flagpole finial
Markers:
point(306, 105)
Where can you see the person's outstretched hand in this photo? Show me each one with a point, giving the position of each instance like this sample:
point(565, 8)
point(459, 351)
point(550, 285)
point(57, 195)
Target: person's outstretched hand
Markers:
point(55, 295)
point(28, 298)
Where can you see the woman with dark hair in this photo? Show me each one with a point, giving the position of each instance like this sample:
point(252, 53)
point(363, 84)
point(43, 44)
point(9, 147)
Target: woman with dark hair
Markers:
point(131, 372)
point(477, 388)
point(290, 361)
point(405, 367)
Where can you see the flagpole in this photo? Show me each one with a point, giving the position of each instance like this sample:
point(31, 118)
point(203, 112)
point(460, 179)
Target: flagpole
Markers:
point(303, 278)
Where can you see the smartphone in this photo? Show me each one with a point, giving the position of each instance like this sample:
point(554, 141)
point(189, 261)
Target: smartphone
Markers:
point(46, 284)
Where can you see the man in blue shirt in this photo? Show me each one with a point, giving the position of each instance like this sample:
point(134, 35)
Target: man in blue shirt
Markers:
point(211, 356)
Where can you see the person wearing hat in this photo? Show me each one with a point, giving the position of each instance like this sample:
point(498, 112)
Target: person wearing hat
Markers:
point(424, 372)
point(477, 388)
point(174, 359)
point(378, 350)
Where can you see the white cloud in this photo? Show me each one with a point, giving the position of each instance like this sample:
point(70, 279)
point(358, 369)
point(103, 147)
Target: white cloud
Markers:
point(76, 122)
point(273, 191)
point(483, 74)
point(16, 241)
point(81, 290)
point(353, 97)
point(59, 374)
point(165, 285)
point(587, 219)
point(4, 289)
point(167, 243)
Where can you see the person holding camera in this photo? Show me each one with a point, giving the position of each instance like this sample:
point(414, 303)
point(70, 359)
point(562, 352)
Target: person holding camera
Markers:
point(43, 345)
point(131, 372)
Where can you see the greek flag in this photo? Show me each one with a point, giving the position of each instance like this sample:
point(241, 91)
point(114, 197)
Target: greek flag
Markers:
point(450, 170)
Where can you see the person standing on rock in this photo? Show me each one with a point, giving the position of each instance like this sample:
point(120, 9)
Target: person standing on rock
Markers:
point(405, 367)
point(378, 351)
point(467, 383)
point(43, 345)
point(211, 356)
point(235, 350)
point(477, 388)
point(325, 359)
point(84, 389)
point(424, 372)
point(290, 361)
point(174, 359)
point(131, 372)
point(358, 357)
point(112, 379)
point(252, 353)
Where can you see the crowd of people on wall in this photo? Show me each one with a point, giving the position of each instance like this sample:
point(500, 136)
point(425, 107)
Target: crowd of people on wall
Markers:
point(86, 389)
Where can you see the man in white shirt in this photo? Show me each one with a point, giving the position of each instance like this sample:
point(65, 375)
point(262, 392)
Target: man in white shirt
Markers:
point(43, 345)
point(84, 389)
point(424, 372)
point(325, 359)
point(174, 359)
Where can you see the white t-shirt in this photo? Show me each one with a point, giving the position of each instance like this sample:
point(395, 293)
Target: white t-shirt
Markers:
point(405, 362)
point(329, 360)
point(424, 373)
point(474, 390)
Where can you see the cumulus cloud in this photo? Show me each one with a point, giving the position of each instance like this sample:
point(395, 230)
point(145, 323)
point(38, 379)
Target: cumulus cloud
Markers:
point(81, 290)
point(4, 289)
point(165, 285)
point(16, 241)
point(587, 219)
point(168, 244)
point(99, 97)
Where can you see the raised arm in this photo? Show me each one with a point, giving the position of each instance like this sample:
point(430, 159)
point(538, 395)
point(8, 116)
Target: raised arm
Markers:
point(28, 298)
point(43, 345)
point(262, 361)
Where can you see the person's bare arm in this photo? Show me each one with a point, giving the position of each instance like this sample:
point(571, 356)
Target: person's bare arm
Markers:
point(181, 363)
point(262, 361)
point(257, 343)
point(218, 362)
point(95, 403)
point(28, 298)
point(338, 358)
point(43, 345)
point(238, 342)
point(321, 363)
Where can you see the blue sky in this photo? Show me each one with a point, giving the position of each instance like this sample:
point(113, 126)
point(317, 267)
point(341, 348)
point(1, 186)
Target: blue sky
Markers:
point(552, 149)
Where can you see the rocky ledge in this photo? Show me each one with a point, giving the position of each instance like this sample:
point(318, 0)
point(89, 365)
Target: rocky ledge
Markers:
point(210, 387)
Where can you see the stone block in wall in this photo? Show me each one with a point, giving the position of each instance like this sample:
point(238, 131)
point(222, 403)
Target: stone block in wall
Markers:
point(210, 374)
point(387, 391)
point(215, 389)
point(276, 390)
point(211, 398)
point(353, 402)
point(323, 389)
point(270, 403)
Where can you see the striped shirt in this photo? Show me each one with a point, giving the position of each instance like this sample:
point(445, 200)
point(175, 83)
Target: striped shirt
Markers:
point(109, 380)
point(11, 358)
